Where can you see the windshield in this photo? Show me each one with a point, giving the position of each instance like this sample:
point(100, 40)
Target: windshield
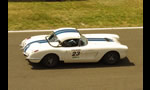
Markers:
point(52, 39)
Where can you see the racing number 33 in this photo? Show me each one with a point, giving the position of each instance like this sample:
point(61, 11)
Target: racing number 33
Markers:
point(75, 53)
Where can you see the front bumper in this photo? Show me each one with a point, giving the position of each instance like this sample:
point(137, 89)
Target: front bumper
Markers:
point(33, 60)
point(23, 43)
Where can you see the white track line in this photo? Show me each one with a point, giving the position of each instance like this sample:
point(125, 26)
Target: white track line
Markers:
point(81, 29)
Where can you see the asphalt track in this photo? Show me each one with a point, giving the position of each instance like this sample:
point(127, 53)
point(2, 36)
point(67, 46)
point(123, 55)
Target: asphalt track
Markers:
point(126, 75)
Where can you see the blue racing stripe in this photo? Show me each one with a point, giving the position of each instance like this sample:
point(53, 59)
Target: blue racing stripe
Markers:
point(99, 39)
point(38, 41)
point(66, 31)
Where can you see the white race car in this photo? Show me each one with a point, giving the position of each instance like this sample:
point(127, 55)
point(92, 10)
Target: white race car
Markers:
point(70, 46)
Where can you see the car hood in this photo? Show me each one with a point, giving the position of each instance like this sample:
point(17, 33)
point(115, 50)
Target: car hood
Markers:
point(36, 38)
point(35, 42)
point(33, 39)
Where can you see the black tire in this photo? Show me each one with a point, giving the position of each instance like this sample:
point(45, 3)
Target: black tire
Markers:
point(50, 60)
point(111, 58)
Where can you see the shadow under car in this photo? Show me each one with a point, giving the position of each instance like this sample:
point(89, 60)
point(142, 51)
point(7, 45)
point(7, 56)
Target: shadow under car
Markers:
point(61, 65)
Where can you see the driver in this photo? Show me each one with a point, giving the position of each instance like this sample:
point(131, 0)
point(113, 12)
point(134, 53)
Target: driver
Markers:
point(72, 43)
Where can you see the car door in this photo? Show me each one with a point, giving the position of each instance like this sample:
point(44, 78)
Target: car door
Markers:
point(88, 54)
point(77, 53)
point(72, 50)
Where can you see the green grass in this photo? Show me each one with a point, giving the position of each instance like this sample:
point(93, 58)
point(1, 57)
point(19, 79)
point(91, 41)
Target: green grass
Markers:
point(79, 14)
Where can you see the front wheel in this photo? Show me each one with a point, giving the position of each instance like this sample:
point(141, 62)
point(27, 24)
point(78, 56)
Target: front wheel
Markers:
point(50, 60)
point(111, 58)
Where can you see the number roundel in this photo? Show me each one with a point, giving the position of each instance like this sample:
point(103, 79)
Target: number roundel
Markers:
point(76, 53)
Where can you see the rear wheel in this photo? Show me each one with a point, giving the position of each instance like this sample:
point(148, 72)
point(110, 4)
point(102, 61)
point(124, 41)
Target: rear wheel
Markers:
point(111, 58)
point(50, 60)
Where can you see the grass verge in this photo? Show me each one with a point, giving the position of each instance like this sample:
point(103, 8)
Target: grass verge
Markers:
point(79, 14)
